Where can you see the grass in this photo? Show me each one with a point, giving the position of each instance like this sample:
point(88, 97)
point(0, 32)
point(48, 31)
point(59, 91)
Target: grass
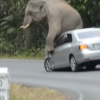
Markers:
point(21, 57)
point(19, 92)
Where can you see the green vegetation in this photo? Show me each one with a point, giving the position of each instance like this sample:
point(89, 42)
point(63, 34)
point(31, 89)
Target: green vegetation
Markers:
point(11, 18)
point(19, 92)
point(21, 56)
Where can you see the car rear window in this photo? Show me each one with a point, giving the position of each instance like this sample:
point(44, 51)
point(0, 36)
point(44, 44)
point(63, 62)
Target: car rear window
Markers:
point(91, 34)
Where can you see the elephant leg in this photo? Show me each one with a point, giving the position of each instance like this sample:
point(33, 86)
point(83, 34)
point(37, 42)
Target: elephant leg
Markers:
point(54, 30)
point(49, 43)
point(48, 54)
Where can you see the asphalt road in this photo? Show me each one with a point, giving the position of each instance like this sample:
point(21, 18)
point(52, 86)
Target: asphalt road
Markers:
point(84, 85)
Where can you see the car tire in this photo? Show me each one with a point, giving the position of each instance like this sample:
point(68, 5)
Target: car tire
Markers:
point(91, 66)
point(48, 65)
point(73, 64)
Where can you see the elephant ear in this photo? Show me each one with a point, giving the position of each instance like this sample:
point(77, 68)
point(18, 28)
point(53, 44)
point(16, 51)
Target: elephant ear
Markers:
point(42, 6)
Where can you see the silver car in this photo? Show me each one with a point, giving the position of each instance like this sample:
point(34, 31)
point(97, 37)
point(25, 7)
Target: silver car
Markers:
point(75, 49)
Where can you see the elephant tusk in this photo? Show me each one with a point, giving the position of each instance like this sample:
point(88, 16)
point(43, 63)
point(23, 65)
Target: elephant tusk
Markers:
point(21, 26)
point(24, 27)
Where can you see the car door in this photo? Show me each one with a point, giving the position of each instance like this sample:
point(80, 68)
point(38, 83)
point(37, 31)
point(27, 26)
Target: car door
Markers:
point(64, 51)
point(56, 57)
point(67, 49)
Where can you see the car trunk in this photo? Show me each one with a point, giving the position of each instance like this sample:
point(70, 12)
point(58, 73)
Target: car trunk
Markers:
point(92, 43)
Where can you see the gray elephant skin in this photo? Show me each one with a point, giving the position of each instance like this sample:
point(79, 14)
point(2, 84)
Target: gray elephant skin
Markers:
point(59, 15)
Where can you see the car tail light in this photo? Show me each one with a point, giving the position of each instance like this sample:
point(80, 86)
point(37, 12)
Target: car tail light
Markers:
point(83, 46)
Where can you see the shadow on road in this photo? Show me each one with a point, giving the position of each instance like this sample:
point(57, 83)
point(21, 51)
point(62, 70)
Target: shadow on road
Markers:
point(81, 70)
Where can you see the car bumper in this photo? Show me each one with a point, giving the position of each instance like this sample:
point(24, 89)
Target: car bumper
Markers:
point(88, 56)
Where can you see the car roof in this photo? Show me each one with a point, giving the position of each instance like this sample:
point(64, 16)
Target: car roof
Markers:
point(82, 30)
point(79, 31)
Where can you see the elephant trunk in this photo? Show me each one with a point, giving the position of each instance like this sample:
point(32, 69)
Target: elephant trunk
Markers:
point(27, 40)
point(26, 29)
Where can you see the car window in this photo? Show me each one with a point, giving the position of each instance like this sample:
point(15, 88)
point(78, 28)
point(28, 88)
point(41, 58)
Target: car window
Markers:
point(66, 38)
point(59, 41)
point(90, 34)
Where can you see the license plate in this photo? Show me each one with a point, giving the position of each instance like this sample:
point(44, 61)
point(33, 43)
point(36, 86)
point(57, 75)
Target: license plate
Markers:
point(97, 46)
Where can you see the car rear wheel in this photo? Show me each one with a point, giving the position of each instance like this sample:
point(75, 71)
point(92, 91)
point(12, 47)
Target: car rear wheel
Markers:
point(91, 66)
point(48, 65)
point(73, 64)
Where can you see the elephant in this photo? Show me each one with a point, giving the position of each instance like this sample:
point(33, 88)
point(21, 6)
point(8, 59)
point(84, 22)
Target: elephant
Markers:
point(59, 15)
